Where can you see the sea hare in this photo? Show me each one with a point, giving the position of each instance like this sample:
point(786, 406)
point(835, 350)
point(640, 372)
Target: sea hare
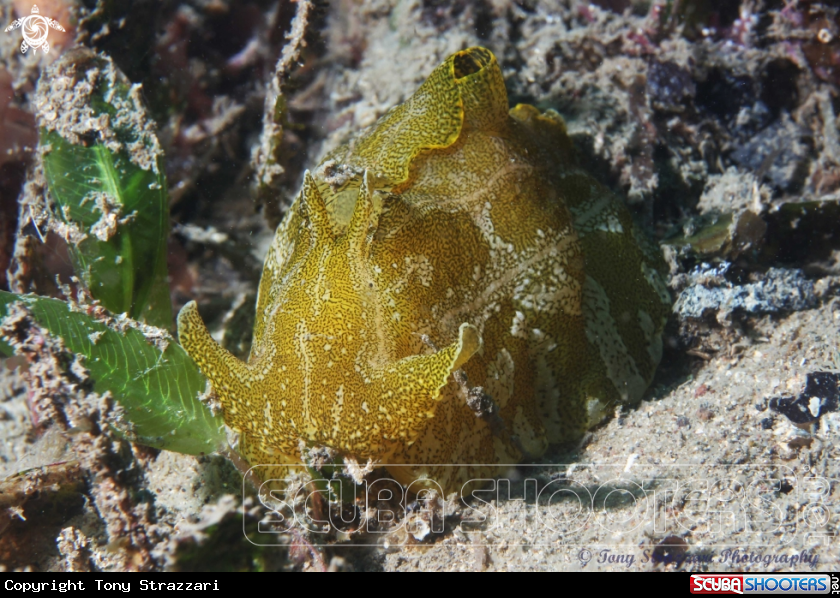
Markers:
point(449, 287)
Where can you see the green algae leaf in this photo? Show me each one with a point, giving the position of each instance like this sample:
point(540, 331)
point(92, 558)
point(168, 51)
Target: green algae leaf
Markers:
point(154, 381)
point(103, 167)
point(727, 236)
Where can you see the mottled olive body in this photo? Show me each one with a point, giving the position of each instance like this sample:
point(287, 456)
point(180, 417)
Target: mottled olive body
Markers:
point(453, 249)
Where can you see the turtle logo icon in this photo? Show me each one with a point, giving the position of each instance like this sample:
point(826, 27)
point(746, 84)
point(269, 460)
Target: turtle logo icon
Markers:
point(35, 29)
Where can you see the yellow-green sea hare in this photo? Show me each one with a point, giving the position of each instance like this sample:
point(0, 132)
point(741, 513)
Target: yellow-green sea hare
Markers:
point(453, 234)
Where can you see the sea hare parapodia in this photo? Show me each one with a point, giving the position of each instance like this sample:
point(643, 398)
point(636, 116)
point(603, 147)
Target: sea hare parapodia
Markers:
point(453, 233)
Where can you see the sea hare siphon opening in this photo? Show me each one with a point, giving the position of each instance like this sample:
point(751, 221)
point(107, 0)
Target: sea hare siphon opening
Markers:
point(471, 61)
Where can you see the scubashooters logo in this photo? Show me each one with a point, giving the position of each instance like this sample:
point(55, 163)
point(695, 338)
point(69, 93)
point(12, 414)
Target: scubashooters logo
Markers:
point(35, 29)
point(761, 584)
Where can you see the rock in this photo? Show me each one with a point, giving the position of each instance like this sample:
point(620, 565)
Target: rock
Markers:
point(777, 154)
point(779, 290)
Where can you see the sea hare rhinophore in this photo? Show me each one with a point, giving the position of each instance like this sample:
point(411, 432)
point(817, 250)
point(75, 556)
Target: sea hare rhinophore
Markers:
point(447, 288)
